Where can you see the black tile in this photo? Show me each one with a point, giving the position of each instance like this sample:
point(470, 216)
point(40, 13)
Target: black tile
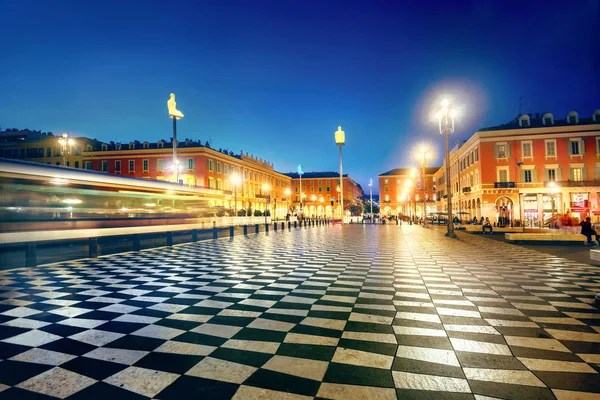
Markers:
point(479, 337)
point(507, 391)
point(570, 381)
point(545, 354)
point(104, 391)
point(69, 346)
point(179, 324)
point(146, 312)
point(581, 347)
point(433, 342)
point(10, 331)
point(198, 338)
point(234, 321)
point(22, 394)
point(413, 394)
point(91, 305)
point(316, 331)
point(241, 357)
point(176, 363)
point(62, 330)
point(427, 368)
point(120, 327)
point(100, 315)
point(329, 315)
point(44, 306)
point(181, 301)
point(387, 349)
point(282, 382)
point(137, 343)
point(189, 387)
point(7, 350)
point(357, 375)
point(260, 335)
point(313, 352)
point(15, 372)
point(96, 369)
point(367, 327)
point(47, 317)
point(481, 360)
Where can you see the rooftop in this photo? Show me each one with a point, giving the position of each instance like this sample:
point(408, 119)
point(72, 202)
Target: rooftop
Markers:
point(406, 171)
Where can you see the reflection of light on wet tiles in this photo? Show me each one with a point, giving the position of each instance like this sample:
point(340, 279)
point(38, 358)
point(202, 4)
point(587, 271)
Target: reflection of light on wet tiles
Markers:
point(473, 346)
point(426, 354)
point(503, 376)
point(535, 364)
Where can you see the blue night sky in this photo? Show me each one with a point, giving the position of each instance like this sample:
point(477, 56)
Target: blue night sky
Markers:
point(276, 78)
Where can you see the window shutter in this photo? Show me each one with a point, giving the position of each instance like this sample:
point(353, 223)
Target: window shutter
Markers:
point(534, 175)
point(522, 174)
point(570, 174)
point(582, 147)
point(508, 146)
point(584, 173)
point(545, 174)
point(569, 148)
point(597, 172)
point(559, 174)
point(495, 151)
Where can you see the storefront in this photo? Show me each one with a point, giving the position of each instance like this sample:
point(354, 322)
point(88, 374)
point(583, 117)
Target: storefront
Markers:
point(580, 205)
point(530, 210)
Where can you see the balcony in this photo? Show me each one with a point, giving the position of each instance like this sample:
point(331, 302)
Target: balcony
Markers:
point(570, 183)
point(466, 189)
point(504, 185)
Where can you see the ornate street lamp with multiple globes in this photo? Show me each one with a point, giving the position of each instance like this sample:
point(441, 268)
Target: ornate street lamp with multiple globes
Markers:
point(340, 139)
point(66, 146)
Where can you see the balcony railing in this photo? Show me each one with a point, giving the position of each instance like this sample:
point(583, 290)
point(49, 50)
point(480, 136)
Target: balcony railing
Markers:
point(466, 189)
point(570, 183)
point(504, 185)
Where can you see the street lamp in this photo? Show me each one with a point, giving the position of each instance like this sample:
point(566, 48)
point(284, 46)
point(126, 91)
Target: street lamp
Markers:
point(424, 157)
point(340, 139)
point(445, 117)
point(338, 192)
point(371, 197)
point(66, 146)
point(413, 176)
point(407, 185)
point(552, 191)
point(266, 189)
point(321, 200)
point(175, 114)
point(235, 181)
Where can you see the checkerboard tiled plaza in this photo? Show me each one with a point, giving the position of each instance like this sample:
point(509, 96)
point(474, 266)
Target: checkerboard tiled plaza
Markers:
point(372, 312)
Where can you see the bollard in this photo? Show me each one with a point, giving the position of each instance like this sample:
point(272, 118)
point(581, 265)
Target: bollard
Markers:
point(289, 225)
point(169, 238)
point(231, 231)
point(396, 221)
point(30, 255)
point(266, 228)
point(214, 232)
point(245, 229)
point(194, 235)
point(135, 241)
point(294, 224)
point(93, 247)
point(256, 228)
point(274, 226)
point(283, 226)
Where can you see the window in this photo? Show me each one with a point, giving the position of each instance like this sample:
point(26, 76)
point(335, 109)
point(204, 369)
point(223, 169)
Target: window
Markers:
point(146, 145)
point(320, 188)
point(210, 166)
point(387, 198)
point(527, 175)
point(328, 188)
point(476, 154)
point(131, 166)
point(49, 152)
point(385, 181)
point(576, 174)
point(501, 150)
point(551, 175)
point(550, 148)
point(502, 175)
point(525, 122)
point(131, 146)
point(574, 146)
point(118, 166)
point(88, 165)
point(104, 147)
point(159, 164)
point(218, 167)
point(225, 169)
point(145, 165)
point(118, 147)
point(191, 164)
point(572, 119)
point(386, 189)
point(76, 164)
point(526, 147)
point(211, 183)
point(160, 144)
point(104, 166)
point(548, 121)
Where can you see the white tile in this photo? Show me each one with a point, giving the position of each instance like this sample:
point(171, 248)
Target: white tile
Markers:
point(255, 393)
point(272, 325)
point(70, 311)
point(185, 348)
point(96, 337)
point(571, 335)
point(82, 322)
point(438, 356)
point(221, 370)
point(472, 329)
point(572, 395)
point(536, 343)
point(418, 316)
point(158, 332)
point(121, 356)
point(370, 337)
point(143, 381)
point(300, 338)
point(353, 392)
point(119, 308)
point(33, 338)
point(513, 377)
point(139, 319)
point(57, 382)
point(252, 345)
point(473, 346)
point(362, 358)
point(26, 323)
point(406, 380)
point(21, 312)
point(370, 318)
point(536, 364)
point(41, 356)
point(223, 331)
point(409, 330)
point(327, 323)
point(302, 367)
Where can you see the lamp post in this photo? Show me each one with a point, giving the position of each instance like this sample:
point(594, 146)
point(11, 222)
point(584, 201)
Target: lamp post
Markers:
point(235, 180)
point(337, 189)
point(288, 193)
point(300, 175)
point(266, 189)
point(424, 156)
point(552, 191)
point(175, 114)
point(371, 197)
point(66, 146)
point(321, 200)
point(313, 199)
point(408, 206)
point(413, 176)
point(445, 118)
point(340, 139)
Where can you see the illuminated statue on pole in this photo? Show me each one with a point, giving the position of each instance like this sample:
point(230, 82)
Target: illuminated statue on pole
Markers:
point(173, 111)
